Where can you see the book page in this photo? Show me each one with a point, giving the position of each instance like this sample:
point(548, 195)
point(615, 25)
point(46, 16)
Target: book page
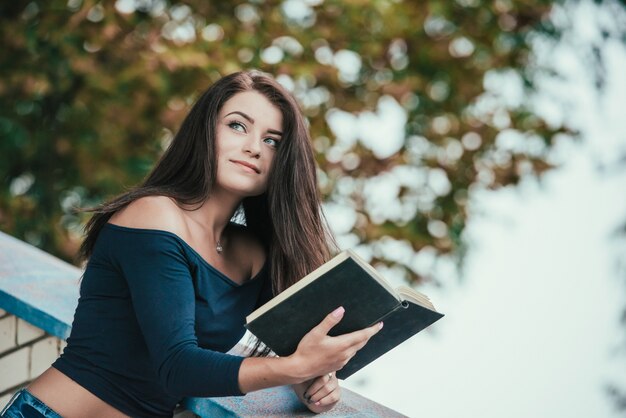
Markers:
point(416, 297)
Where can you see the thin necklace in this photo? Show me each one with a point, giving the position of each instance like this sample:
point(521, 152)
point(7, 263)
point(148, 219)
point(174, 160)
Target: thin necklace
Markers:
point(219, 247)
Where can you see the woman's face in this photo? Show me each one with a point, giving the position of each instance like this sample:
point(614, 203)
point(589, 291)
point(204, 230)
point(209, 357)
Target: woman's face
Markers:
point(248, 133)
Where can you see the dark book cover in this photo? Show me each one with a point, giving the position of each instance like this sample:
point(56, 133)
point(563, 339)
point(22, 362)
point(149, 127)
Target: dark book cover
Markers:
point(347, 284)
point(366, 301)
point(398, 327)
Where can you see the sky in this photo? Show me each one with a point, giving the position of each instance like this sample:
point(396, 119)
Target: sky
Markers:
point(532, 324)
point(533, 330)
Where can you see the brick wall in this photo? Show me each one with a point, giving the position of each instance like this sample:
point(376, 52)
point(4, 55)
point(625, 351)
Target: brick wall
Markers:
point(25, 352)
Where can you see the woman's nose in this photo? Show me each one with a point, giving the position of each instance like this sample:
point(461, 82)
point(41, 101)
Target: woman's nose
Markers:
point(252, 146)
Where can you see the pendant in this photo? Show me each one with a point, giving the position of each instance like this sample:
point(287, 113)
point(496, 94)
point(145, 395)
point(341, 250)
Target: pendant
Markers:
point(219, 247)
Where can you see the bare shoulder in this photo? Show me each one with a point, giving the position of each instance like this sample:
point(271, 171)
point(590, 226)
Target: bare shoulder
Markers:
point(152, 212)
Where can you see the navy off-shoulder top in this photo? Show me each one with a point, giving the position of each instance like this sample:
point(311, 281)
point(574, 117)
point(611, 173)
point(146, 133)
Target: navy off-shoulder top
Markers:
point(153, 322)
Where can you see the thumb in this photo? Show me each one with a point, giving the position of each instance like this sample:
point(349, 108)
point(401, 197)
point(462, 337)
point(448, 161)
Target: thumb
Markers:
point(331, 320)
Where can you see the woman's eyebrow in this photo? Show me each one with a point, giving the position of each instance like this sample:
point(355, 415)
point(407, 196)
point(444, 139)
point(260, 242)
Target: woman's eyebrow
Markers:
point(251, 120)
point(242, 114)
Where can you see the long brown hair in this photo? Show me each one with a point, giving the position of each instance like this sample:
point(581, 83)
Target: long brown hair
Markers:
point(286, 218)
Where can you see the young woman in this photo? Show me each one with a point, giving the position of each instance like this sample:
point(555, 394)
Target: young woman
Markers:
point(170, 278)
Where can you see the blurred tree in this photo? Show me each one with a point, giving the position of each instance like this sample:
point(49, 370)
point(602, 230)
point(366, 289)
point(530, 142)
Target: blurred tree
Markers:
point(402, 97)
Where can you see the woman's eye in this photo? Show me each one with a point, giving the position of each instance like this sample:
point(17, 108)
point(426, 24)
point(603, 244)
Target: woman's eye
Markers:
point(272, 142)
point(237, 126)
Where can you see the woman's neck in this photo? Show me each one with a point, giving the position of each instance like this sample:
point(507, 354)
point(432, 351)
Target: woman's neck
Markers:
point(212, 218)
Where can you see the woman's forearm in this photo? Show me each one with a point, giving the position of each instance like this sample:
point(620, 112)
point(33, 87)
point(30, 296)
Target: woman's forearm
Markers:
point(258, 373)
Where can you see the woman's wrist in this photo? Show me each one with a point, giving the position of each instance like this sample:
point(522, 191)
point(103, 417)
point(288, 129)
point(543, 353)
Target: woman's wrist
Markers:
point(294, 367)
point(263, 372)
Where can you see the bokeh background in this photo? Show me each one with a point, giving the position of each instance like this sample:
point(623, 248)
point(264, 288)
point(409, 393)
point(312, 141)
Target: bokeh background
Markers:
point(474, 149)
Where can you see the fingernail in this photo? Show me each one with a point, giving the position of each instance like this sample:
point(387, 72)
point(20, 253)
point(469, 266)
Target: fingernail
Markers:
point(317, 403)
point(380, 325)
point(338, 313)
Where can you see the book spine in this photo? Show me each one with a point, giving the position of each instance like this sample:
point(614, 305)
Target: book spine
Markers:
point(401, 305)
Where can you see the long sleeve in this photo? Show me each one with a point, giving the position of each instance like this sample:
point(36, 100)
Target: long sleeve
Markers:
point(162, 292)
point(154, 321)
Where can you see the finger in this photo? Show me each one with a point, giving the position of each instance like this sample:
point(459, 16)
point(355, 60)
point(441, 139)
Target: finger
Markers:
point(330, 321)
point(359, 337)
point(331, 398)
point(323, 391)
point(317, 384)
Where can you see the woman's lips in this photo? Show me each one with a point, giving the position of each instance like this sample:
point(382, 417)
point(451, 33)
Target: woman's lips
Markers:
point(247, 165)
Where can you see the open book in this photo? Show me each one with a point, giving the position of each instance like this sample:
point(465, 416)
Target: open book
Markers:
point(348, 281)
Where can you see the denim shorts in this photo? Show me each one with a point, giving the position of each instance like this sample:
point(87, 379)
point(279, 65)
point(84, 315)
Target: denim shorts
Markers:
point(24, 405)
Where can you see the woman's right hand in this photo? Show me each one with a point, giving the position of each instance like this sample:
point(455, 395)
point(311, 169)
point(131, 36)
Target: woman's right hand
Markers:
point(318, 353)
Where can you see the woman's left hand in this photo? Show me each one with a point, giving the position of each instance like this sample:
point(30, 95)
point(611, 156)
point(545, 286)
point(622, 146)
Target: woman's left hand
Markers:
point(320, 394)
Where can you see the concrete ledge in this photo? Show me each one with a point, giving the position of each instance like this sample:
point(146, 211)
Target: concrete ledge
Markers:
point(37, 287)
point(282, 402)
